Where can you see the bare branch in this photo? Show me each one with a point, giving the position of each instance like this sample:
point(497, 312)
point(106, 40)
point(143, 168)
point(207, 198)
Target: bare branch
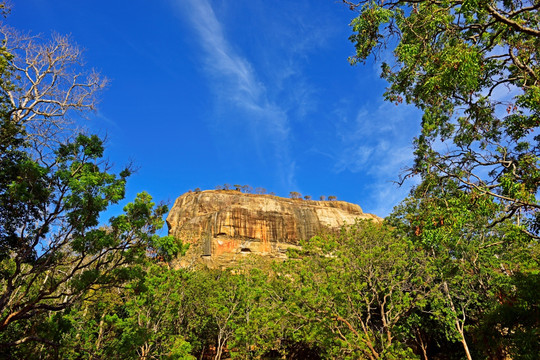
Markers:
point(49, 84)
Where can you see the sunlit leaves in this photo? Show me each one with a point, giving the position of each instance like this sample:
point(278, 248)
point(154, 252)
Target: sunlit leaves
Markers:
point(472, 67)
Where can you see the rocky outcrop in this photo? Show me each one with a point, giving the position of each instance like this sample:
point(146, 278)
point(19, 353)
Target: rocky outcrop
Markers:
point(223, 226)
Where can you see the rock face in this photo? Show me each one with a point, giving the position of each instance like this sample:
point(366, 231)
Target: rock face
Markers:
point(223, 226)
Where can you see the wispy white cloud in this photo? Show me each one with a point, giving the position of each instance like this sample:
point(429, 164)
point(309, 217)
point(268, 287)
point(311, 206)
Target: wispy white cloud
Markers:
point(221, 60)
point(377, 142)
point(236, 84)
point(386, 195)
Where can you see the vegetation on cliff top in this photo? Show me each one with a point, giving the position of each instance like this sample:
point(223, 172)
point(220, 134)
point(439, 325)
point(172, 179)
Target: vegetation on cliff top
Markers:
point(247, 189)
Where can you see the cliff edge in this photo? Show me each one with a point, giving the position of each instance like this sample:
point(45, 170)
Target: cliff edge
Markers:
point(223, 226)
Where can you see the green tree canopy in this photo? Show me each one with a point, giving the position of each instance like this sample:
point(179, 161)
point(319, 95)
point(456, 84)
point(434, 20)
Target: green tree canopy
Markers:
point(473, 68)
point(53, 251)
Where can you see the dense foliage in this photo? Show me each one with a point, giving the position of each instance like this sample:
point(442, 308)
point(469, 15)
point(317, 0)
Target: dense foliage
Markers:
point(54, 184)
point(367, 292)
point(473, 69)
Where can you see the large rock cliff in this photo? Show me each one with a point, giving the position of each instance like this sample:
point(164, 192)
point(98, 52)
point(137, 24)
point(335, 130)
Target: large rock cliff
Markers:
point(223, 226)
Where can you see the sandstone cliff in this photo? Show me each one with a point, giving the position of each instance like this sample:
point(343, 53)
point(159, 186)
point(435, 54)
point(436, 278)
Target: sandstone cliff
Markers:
point(222, 226)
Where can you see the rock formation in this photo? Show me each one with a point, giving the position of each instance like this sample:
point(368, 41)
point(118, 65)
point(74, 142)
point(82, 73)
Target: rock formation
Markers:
point(223, 226)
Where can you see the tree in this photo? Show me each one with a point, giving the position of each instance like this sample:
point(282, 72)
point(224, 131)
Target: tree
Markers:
point(322, 198)
point(152, 327)
point(352, 293)
point(53, 254)
point(225, 306)
point(307, 197)
point(332, 198)
point(477, 266)
point(473, 68)
point(260, 190)
point(144, 319)
point(261, 324)
point(47, 82)
point(295, 195)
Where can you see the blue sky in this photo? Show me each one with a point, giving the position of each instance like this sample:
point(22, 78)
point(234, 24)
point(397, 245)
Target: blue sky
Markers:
point(207, 92)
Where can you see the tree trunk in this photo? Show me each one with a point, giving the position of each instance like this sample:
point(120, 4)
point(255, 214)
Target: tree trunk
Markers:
point(459, 327)
point(100, 332)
